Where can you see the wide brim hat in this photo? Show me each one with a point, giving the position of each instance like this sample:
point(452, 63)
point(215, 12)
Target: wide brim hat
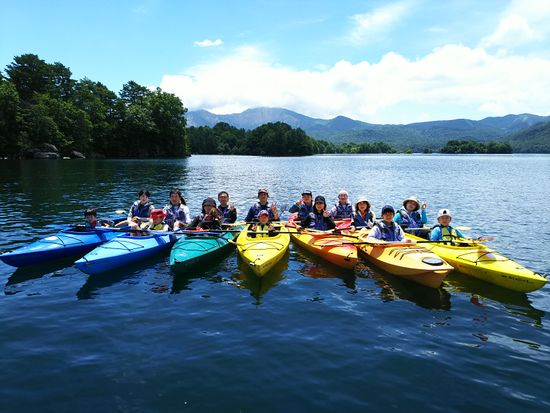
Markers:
point(414, 199)
point(363, 199)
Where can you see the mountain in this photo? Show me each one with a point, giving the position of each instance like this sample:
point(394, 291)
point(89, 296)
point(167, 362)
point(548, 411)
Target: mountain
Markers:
point(535, 139)
point(416, 136)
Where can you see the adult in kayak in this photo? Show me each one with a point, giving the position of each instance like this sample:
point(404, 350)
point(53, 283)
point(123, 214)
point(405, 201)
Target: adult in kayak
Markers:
point(262, 205)
point(319, 218)
point(304, 206)
point(412, 215)
point(264, 227)
point(387, 230)
point(363, 217)
point(155, 223)
point(443, 231)
point(343, 209)
point(209, 218)
point(92, 222)
point(226, 209)
point(177, 212)
point(140, 210)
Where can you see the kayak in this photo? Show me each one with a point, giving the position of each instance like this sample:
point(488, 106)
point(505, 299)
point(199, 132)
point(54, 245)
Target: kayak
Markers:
point(408, 261)
point(66, 243)
point(198, 246)
point(261, 254)
point(327, 246)
point(484, 263)
point(124, 250)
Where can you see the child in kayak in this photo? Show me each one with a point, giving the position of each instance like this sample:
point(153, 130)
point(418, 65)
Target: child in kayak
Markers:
point(412, 217)
point(209, 218)
point(363, 217)
point(155, 223)
point(226, 209)
point(264, 226)
point(177, 211)
point(262, 204)
point(93, 222)
point(140, 210)
point(343, 208)
point(387, 230)
point(304, 206)
point(443, 231)
point(319, 218)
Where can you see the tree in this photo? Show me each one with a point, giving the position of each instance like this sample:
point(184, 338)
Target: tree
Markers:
point(10, 140)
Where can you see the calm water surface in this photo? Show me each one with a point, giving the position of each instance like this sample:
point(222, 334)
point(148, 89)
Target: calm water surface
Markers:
point(308, 337)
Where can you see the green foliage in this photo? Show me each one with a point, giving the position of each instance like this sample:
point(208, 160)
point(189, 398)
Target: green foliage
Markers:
point(535, 139)
point(457, 146)
point(41, 104)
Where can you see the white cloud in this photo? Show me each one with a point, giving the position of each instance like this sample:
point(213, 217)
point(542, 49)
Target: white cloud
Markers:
point(451, 81)
point(367, 25)
point(208, 43)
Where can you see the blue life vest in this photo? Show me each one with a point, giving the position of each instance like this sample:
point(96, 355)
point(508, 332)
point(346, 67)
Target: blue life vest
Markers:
point(359, 221)
point(141, 211)
point(304, 211)
point(319, 221)
point(174, 213)
point(340, 211)
point(255, 210)
point(227, 216)
point(389, 233)
point(411, 219)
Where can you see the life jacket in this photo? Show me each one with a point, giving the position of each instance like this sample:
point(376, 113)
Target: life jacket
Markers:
point(448, 233)
point(262, 228)
point(340, 211)
point(255, 210)
point(304, 210)
point(410, 219)
point(141, 211)
point(206, 222)
point(227, 216)
point(319, 221)
point(153, 227)
point(359, 221)
point(174, 213)
point(389, 233)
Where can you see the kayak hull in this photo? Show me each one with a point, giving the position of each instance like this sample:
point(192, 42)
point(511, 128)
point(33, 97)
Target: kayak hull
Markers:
point(64, 244)
point(123, 250)
point(261, 254)
point(484, 263)
point(194, 249)
point(327, 246)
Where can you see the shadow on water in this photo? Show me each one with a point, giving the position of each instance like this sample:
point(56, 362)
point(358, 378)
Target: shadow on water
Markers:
point(259, 286)
point(514, 303)
point(33, 272)
point(395, 288)
point(212, 271)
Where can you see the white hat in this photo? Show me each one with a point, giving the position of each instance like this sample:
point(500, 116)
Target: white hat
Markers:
point(444, 213)
point(343, 192)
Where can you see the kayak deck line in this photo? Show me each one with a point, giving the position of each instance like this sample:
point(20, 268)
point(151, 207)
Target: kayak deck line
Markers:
point(478, 260)
point(271, 245)
point(123, 245)
point(60, 241)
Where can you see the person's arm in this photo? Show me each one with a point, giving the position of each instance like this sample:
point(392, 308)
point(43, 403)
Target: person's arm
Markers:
point(294, 208)
point(435, 235)
point(232, 215)
point(330, 222)
point(398, 218)
point(460, 234)
point(374, 234)
point(424, 217)
point(250, 214)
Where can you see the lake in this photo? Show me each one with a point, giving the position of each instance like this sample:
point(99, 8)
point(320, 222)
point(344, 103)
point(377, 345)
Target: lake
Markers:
point(308, 337)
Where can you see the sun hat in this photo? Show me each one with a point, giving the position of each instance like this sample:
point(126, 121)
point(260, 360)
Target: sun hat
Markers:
point(414, 199)
point(363, 199)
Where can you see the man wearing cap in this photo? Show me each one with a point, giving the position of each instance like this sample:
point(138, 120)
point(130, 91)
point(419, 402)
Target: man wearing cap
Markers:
point(343, 209)
point(304, 206)
point(209, 218)
point(227, 211)
point(444, 231)
point(262, 205)
point(387, 230)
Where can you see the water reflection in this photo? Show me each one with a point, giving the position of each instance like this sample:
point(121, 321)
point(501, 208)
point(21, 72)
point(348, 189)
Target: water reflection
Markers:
point(22, 274)
point(213, 271)
point(395, 288)
point(514, 303)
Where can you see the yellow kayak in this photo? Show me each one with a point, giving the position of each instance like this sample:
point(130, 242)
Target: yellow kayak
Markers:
point(327, 246)
point(408, 261)
point(486, 264)
point(262, 253)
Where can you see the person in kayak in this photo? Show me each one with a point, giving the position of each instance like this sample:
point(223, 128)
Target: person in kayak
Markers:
point(226, 209)
point(140, 210)
point(155, 223)
point(319, 218)
point(343, 209)
point(363, 217)
point(304, 206)
point(265, 227)
point(262, 204)
point(387, 230)
point(177, 211)
point(443, 231)
point(92, 222)
point(209, 218)
point(413, 216)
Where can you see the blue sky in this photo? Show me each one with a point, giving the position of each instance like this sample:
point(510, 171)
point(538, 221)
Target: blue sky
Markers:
point(378, 61)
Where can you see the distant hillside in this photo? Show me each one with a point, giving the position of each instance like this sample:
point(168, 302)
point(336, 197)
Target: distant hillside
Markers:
point(416, 136)
point(535, 139)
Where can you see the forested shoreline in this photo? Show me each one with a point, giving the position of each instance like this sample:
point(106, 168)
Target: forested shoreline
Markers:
point(45, 113)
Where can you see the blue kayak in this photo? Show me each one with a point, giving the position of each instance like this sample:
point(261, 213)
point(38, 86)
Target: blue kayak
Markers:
point(198, 247)
point(124, 250)
point(73, 241)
